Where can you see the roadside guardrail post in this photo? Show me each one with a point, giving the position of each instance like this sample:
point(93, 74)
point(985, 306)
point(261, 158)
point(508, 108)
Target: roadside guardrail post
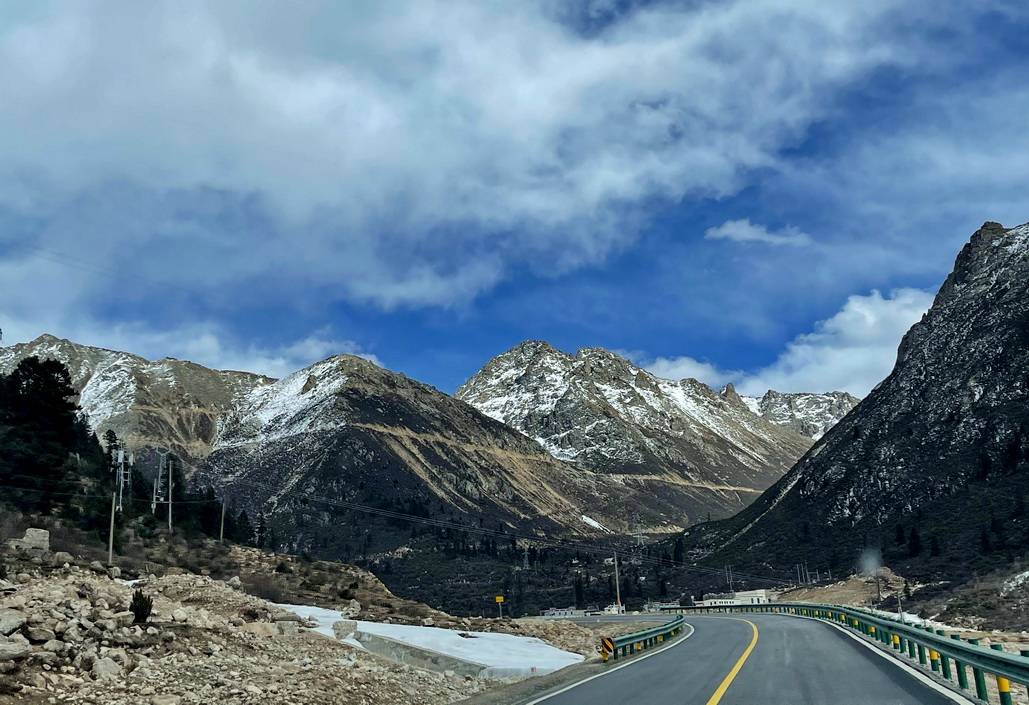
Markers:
point(1003, 684)
point(944, 659)
point(1025, 654)
point(977, 676)
point(960, 668)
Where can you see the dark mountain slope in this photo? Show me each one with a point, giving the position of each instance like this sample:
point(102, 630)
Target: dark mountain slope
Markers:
point(939, 449)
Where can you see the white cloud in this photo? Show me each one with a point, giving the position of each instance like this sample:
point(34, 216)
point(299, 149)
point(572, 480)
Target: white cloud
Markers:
point(400, 153)
point(682, 367)
point(745, 231)
point(851, 351)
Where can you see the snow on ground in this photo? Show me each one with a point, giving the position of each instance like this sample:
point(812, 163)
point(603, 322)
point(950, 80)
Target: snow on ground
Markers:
point(594, 523)
point(504, 655)
point(914, 619)
point(1014, 582)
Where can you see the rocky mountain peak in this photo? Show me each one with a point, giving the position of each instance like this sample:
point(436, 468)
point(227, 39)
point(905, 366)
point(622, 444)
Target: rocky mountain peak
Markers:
point(730, 394)
point(602, 412)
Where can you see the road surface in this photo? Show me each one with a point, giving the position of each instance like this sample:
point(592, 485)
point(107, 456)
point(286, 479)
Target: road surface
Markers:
point(757, 659)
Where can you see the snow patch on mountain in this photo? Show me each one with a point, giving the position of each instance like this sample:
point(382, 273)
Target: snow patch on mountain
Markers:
point(599, 410)
point(806, 413)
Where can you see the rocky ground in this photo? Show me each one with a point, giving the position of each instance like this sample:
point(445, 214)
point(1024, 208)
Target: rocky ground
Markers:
point(67, 636)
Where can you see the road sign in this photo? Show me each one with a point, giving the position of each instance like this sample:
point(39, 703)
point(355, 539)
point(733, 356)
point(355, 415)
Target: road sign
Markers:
point(607, 644)
point(499, 599)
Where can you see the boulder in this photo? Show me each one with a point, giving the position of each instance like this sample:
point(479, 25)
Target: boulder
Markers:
point(54, 646)
point(165, 700)
point(106, 669)
point(124, 619)
point(36, 542)
point(39, 634)
point(287, 628)
point(180, 615)
point(11, 621)
point(344, 628)
point(260, 628)
point(12, 650)
point(114, 572)
point(61, 558)
point(352, 609)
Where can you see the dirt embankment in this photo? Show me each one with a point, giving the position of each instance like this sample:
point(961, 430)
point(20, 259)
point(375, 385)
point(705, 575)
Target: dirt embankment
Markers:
point(67, 635)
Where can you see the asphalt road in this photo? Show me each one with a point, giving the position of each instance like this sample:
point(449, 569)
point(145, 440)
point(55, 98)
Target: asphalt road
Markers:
point(760, 660)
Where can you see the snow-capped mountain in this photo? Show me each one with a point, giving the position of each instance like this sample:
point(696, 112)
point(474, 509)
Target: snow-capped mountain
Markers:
point(806, 413)
point(345, 429)
point(171, 403)
point(600, 411)
point(939, 448)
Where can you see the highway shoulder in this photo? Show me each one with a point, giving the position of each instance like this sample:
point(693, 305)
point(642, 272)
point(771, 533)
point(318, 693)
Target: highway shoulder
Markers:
point(537, 690)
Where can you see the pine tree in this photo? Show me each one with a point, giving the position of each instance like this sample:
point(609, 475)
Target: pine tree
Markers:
point(38, 418)
point(111, 447)
point(914, 542)
point(244, 531)
point(580, 600)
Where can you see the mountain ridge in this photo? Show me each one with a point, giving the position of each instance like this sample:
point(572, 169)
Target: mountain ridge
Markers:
point(939, 448)
point(600, 411)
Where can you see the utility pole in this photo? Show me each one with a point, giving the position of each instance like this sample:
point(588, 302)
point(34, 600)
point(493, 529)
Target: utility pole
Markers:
point(618, 588)
point(124, 476)
point(171, 467)
point(637, 548)
point(159, 480)
point(110, 533)
point(797, 566)
point(525, 557)
point(221, 531)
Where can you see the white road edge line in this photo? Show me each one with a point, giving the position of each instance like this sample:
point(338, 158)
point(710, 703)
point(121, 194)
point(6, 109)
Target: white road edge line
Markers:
point(911, 670)
point(633, 662)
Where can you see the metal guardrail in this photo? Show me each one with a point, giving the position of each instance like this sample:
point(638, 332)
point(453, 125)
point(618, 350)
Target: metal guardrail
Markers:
point(946, 654)
point(628, 644)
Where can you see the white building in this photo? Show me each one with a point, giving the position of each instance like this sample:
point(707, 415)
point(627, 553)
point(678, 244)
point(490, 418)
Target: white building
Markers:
point(564, 612)
point(740, 597)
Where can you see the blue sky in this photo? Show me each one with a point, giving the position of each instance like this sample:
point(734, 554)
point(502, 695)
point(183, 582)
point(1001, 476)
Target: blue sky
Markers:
point(767, 193)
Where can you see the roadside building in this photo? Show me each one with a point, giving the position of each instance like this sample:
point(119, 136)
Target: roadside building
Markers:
point(740, 597)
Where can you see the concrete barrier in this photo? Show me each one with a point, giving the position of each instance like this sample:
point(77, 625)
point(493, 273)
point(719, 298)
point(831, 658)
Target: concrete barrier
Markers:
point(419, 657)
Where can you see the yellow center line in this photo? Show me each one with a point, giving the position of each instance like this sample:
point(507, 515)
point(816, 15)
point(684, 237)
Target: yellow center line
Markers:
point(716, 697)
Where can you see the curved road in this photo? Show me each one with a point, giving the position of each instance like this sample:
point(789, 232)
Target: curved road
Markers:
point(758, 659)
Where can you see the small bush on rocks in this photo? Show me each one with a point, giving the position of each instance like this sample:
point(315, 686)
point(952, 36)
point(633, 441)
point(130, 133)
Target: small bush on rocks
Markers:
point(141, 606)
